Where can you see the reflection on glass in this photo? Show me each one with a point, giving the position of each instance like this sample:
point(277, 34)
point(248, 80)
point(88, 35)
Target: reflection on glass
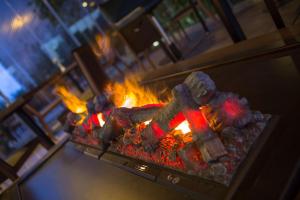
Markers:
point(9, 86)
point(2, 102)
point(290, 12)
point(14, 135)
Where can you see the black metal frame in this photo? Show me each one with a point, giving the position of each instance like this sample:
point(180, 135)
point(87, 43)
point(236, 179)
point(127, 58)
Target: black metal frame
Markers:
point(199, 16)
point(229, 20)
point(273, 53)
point(277, 19)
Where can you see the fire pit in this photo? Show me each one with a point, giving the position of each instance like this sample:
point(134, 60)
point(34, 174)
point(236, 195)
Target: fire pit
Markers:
point(198, 131)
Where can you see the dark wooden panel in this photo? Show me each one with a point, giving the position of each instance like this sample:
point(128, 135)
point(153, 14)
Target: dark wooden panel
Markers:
point(277, 19)
point(229, 20)
point(91, 68)
point(140, 34)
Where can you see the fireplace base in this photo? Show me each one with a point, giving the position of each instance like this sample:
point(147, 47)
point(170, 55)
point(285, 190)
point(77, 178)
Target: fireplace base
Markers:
point(194, 186)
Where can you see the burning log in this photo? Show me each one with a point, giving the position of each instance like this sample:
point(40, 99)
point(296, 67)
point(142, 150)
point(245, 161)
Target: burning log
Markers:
point(121, 118)
point(72, 121)
point(197, 90)
point(192, 158)
point(166, 119)
point(127, 117)
point(108, 132)
point(227, 109)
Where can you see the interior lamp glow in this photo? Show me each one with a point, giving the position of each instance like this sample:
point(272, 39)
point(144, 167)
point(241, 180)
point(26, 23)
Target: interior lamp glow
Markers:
point(84, 4)
point(92, 4)
point(155, 44)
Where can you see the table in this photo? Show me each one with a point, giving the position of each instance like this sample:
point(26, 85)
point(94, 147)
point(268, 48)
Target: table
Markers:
point(70, 174)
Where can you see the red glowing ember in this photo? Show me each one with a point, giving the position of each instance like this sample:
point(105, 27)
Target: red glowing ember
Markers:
point(179, 118)
point(233, 108)
point(159, 133)
point(197, 120)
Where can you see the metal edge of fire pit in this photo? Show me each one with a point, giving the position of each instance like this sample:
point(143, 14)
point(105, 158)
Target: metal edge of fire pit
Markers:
point(194, 186)
point(132, 165)
point(163, 175)
point(89, 150)
point(254, 151)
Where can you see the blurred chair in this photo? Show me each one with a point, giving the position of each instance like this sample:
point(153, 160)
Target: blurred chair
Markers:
point(91, 68)
point(108, 53)
point(138, 29)
point(191, 7)
point(46, 107)
point(297, 15)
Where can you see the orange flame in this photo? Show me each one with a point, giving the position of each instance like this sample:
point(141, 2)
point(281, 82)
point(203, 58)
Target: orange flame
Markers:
point(73, 103)
point(130, 94)
point(184, 127)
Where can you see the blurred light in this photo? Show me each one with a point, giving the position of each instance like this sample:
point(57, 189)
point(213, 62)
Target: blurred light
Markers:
point(147, 122)
point(20, 21)
point(92, 4)
point(155, 44)
point(100, 119)
point(184, 127)
point(84, 4)
point(141, 168)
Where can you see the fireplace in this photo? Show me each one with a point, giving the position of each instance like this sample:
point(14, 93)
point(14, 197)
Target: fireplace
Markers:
point(194, 137)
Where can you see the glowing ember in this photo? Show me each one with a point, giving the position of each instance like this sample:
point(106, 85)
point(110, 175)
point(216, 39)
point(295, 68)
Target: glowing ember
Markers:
point(184, 127)
point(197, 120)
point(73, 103)
point(159, 133)
point(179, 118)
point(232, 108)
point(100, 119)
point(147, 122)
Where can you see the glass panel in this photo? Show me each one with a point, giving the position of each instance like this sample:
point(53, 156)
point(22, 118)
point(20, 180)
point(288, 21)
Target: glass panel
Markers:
point(14, 135)
point(253, 17)
point(9, 86)
point(22, 56)
point(290, 11)
point(185, 30)
point(2, 102)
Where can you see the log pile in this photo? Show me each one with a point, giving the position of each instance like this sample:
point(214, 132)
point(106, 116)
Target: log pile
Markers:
point(222, 129)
